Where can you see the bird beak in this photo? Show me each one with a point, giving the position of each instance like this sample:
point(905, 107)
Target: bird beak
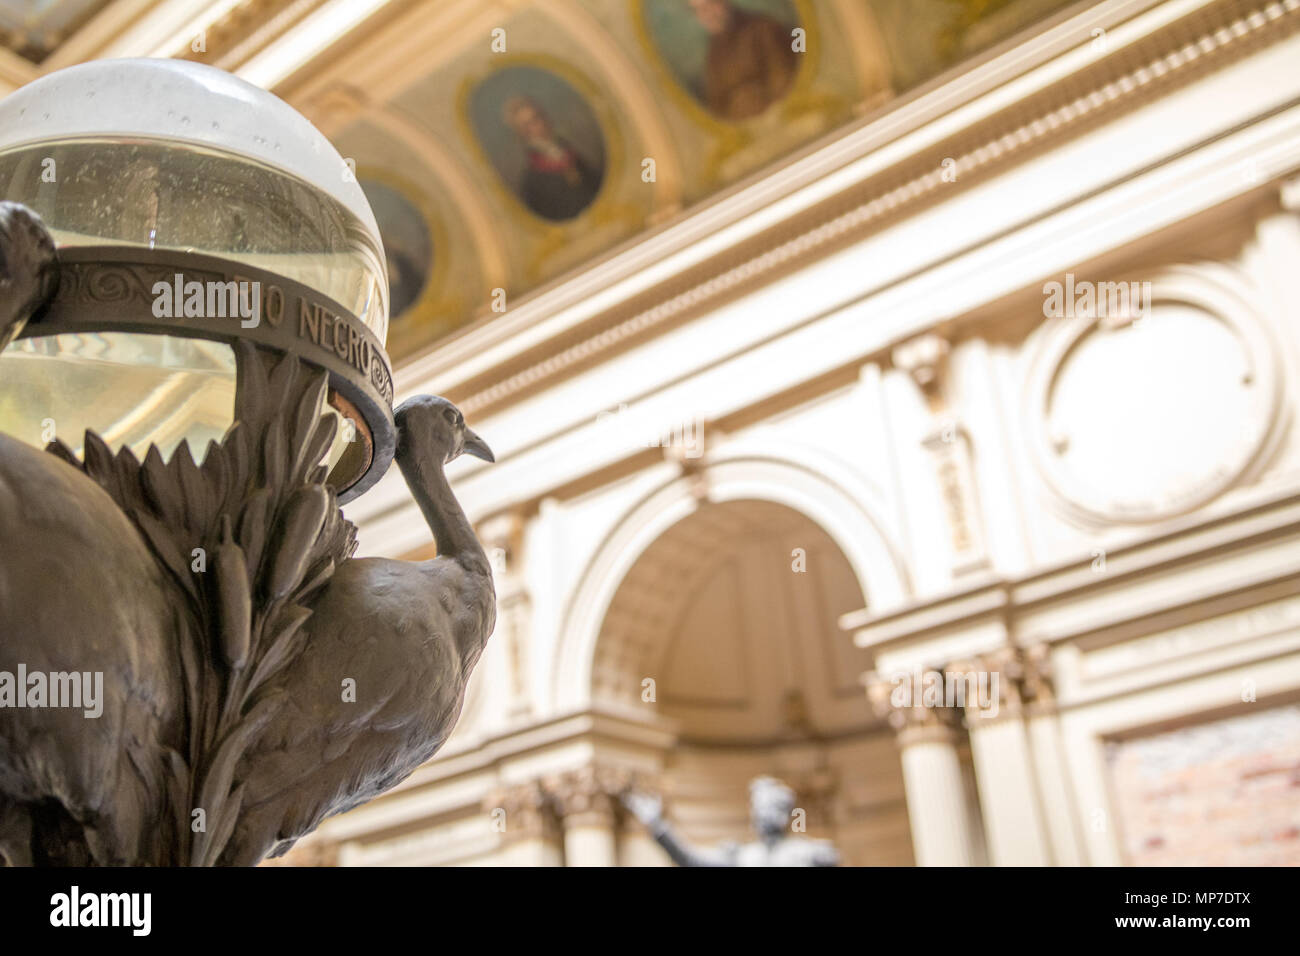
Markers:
point(477, 447)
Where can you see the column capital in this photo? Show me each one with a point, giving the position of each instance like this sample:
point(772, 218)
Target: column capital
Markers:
point(990, 685)
point(526, 809)
point(904, 708)
point(1038, 686)
point(589, 795)
point(928, 725)
point(1023, 684)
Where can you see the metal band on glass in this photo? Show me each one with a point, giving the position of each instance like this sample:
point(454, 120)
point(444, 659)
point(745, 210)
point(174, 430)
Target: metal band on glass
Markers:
point(113, 289)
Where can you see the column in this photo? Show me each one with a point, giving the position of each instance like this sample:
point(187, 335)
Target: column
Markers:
point(937, 808)
point(1004, 768)
point(587, 804)
point(936, 798)
point(1042, 723)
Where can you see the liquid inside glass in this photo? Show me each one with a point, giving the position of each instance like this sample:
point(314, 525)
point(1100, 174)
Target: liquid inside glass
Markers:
point(134, 389)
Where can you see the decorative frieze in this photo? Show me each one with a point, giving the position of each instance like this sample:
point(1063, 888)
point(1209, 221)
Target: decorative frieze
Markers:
point(925, 359)
point(954, 470)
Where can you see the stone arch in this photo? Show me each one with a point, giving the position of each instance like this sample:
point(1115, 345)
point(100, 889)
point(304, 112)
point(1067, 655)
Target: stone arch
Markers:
point(815, 486)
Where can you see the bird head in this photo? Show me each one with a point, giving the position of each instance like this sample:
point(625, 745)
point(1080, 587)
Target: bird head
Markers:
point(437, 424)
point(29, 270)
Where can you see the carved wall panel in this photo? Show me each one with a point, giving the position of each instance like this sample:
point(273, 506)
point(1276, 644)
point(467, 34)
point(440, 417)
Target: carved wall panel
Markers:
point(1155, 409)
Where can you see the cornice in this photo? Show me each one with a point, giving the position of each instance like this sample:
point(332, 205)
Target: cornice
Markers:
point(1026, 605)
point(238, 33)
point(1157, 58)
point(233, 31)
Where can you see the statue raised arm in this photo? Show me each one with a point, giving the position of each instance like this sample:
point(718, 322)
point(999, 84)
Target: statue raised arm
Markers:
point(771, 805)
point(649, 810)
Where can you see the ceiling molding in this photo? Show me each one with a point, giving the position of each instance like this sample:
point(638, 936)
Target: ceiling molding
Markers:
point(989, 83)
point(103, 28)
point(1214, 35)
point(249, 28)
point(15, 71)
point(148, 30)
point(312, 39)
point(412, 44)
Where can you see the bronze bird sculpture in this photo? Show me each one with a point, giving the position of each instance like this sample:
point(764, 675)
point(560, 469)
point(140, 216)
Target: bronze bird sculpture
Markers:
point(80, 593)
point(405, 634)
point(256, 677)
point(27, 268)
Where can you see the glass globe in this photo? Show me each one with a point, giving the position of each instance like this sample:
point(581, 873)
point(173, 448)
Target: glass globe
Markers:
point(166, 154)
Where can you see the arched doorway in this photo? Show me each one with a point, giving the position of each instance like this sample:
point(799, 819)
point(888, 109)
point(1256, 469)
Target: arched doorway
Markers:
point(725, 625)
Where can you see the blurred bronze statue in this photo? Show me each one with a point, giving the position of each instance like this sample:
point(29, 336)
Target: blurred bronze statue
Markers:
point(252, 676)
point(771, 804)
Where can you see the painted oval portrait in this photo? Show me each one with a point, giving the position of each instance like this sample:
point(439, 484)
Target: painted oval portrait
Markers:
point(543, 138)
point(736, 57)
point(408, 246)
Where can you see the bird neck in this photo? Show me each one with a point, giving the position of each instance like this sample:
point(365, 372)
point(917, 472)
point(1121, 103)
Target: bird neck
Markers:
point(423, 470)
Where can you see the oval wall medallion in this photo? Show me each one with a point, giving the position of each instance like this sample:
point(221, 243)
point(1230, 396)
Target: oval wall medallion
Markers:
point(1149, 400)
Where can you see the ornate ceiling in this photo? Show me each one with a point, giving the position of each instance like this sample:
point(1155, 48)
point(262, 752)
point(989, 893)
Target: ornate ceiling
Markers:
point(541, 136)
point(34, 28)
point(506, 143)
